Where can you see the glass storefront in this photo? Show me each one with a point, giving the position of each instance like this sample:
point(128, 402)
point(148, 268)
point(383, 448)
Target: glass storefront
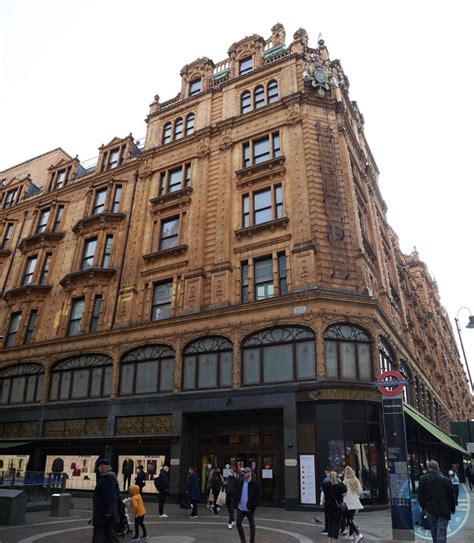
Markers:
point(13, 465)
point(79, 470)
point(128, 465)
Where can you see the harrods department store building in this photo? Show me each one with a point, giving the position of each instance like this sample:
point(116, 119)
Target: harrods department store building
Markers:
point(223, 293)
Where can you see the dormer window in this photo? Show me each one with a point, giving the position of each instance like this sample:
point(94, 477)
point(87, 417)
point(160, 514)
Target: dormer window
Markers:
point(11, 198)
point(60, 179)
point(245, 65)
point(195, 87)
point(113, 158)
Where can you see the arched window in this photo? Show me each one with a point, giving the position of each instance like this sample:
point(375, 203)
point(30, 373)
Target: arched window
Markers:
point(258, 97)
point(85, 376)
point(167, 132)
point(207, 363)
point(278, 355)
point(22, 383)
point(178, 129)
point(347, 353)
point(407, 390)
point(190, 124)
point(245, 102)
point(386, 356)
point(146, 370)
point(272, 92)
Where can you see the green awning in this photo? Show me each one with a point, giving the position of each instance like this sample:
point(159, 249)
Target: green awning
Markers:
point(433, 430)
point(11, 444)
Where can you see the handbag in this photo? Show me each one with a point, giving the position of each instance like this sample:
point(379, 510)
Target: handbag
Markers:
point(221, 498)
point(211, 497)
point(342, 506)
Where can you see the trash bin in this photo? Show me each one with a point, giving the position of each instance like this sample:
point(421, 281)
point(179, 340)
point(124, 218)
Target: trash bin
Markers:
point(12, 506)
point(60, 505)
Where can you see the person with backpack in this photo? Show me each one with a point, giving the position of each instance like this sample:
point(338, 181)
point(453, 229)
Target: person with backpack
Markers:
point(162, 484)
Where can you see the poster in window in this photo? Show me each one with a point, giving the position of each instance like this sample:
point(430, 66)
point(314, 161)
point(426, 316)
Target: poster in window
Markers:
point(307, 479)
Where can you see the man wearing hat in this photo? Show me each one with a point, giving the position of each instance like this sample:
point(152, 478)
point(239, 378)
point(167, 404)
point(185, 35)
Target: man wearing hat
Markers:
point(247, 498)
point(105, 504)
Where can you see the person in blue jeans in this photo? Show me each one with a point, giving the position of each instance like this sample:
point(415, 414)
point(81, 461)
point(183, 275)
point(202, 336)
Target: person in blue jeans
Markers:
point(437, 498)
point(247, 497)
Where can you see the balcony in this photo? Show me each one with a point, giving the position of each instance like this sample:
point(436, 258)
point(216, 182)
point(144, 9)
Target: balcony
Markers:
point(26, 292)
point(86, 276)
point(99, 220)
point(40, 240)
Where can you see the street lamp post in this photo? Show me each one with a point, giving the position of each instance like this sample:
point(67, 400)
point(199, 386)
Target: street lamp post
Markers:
point(469, 325)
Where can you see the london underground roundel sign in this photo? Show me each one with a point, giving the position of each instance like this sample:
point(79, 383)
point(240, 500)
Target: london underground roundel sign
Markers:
point(391, 383)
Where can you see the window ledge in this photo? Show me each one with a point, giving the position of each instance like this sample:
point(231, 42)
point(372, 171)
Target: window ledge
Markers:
point(91, 273)
point(99, 219)
point(171, 199)
point(267, 165)
point(5, 252)
point(26, 291)
point(172, 251)
point(255, 229)
point(40, 239)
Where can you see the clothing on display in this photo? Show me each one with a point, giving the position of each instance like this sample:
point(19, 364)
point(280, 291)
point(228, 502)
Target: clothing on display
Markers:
point(75, 468)
point(151, 465)
point(58, 465)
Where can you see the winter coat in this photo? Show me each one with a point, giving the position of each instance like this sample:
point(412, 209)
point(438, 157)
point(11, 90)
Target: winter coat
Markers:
point(216, 483)
point(231, 486)
point(58, 465)
point(351, 498)
point(137, 501)
point(127, 467)
point(192, 487)
point(333, 495)
point(105, 500)
point(162, 482)
point(253, 494)
point(436, 495)
point(140, 479)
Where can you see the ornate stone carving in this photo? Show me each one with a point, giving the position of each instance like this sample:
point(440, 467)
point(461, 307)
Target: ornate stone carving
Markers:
point(278, 35)
point(301, 36)
point(226, 139)
point(203, 149)
point(319, 73)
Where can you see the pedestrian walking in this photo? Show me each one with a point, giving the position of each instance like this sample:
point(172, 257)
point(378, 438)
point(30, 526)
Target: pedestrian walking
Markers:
point(453, 475)
point(470, 477)
point(230, 485)
point(327, 473)
point(217, 482)
point(247, 498)
point(105, 504)
point(436, 497)
point(334, 491)
point(139, 512)
point(162, 484)
point(140, 478)
point(192, 490)
point(352, 500)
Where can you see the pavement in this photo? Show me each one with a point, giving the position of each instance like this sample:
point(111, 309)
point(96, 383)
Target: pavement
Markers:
point(274, 525)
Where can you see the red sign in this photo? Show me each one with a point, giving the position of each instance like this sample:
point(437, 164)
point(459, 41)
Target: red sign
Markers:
point(389, 379)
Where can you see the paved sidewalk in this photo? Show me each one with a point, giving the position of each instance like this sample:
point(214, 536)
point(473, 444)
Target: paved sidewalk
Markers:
point(273, 526)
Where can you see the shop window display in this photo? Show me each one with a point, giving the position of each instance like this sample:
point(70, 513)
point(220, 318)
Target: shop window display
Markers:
point(13, 466)
point(79, 470)
point(128, 466)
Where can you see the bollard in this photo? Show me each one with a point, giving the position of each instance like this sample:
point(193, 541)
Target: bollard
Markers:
point(60, 505)
point(12, 506)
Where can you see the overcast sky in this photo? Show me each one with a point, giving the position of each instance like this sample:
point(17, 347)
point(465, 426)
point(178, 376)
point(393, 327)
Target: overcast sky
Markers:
point(77, 73)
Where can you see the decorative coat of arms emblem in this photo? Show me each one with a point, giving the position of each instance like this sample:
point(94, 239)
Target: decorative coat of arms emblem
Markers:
point(319, 73)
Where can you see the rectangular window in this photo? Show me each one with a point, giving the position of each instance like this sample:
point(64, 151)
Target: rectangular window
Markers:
point(117, 198)
point(246, 155)
point(107, 251)
point(278, 363)
point(30, 328)
point(60, 179)
point(114, 156)
point(88, 254)
point(282, 284)
point(161, 306)
point(175, 179)
point(77, 310)
point(45, 270)
point(305, 360)
point(10, 199)
point(207, 371)
point(278, 202)
point(99, 201)
point(194, 87)
point(262, 206)
point(261, 150)
point(7, 236)
point(189, 379)
point(13, 328)
point(58, 219)
point(43, 221)
point(245, 211)
point(251, 366)
point(245, 283)
point(29, 270)
point(95, 313)
point(245, 65)
point(263, 273)
point(169, 233)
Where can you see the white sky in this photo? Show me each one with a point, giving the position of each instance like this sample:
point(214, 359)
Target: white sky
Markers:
point(77, 73)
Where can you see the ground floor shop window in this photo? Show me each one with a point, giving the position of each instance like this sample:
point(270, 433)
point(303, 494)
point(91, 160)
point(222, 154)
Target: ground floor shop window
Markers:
point(78, 470)
point(13, 466)
point(128, 466)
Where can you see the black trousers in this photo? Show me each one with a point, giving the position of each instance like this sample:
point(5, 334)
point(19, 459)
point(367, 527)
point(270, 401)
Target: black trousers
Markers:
point(334, 522)
point(214, 505)
point(456, 493)
point(231, 508)
point(240, 517)
point(127, 479)
point(161, 502)
point(138, 523)
point(353, 528)
point(105, 533)
point(194, 511)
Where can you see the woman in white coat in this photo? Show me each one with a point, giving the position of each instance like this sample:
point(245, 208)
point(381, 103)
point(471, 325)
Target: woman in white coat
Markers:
point(351, 499)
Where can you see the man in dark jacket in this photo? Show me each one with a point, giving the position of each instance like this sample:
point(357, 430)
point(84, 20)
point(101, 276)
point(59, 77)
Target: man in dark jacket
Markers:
point(437, 499)
point(192, 490)
point(162, 484)
point(247, 497)
point(105, 505)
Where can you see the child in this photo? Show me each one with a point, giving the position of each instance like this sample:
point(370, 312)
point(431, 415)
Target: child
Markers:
point(139, 512)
